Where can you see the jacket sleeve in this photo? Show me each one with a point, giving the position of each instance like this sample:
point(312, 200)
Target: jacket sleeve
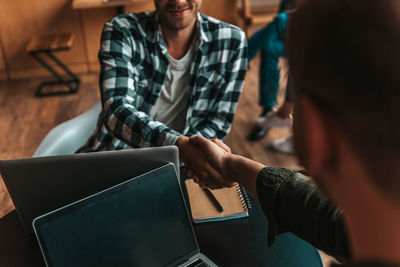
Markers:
point(118, 84)
point(293, 202)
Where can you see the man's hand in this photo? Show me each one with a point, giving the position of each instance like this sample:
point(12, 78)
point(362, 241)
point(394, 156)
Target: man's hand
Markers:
point(216, 152)
point(220, 144)
point(195, 160)
point(231, 167)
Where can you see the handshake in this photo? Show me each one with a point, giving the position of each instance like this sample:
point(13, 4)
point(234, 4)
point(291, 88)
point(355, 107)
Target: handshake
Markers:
point(207, 161)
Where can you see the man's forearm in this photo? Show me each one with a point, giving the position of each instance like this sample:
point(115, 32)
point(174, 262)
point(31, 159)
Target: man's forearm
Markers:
point(244, 171)
point(136, 129)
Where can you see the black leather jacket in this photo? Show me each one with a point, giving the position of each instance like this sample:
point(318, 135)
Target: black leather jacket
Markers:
point(293, 202)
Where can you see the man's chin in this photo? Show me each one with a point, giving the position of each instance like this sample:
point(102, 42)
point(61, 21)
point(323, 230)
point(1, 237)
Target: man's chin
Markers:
point(180, 23)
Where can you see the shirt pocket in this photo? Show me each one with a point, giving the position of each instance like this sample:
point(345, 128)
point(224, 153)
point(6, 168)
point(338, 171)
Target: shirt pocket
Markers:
point(208, 86)
point(210, 81)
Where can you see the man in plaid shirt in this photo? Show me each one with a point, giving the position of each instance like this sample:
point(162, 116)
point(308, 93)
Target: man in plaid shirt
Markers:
point(165, 76)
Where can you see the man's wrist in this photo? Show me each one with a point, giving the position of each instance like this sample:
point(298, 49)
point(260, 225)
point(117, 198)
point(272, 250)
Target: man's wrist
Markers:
point(242, 169)
point(180, 143)
point(229, 166)
point(171, 138)
point(181, 140)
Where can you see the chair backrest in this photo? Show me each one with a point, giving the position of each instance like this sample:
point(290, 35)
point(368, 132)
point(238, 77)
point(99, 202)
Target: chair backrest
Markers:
point(69, 136)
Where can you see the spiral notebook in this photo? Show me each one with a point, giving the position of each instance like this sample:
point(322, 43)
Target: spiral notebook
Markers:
point(234, 201)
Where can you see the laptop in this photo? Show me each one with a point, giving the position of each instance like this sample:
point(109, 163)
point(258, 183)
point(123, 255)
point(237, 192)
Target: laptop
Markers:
point(40, 185)
point(141, 222)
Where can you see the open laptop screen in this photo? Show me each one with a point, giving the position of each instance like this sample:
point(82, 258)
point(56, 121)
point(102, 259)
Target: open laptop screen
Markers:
point(141, 222)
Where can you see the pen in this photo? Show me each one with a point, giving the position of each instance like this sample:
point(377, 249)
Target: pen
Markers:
point(213, 200)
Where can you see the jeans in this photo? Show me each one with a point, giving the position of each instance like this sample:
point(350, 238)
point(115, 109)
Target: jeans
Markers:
point(270, 41)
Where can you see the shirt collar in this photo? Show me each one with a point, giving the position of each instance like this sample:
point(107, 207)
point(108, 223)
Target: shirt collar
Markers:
point(203, 28)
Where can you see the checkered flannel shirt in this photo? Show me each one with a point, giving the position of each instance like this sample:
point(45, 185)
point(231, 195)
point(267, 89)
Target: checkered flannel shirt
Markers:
point(134, 62)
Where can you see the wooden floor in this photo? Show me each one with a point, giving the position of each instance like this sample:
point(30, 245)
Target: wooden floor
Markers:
point(25, 119)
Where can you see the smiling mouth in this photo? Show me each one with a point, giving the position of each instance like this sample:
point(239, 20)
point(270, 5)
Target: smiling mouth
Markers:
point(178, 12)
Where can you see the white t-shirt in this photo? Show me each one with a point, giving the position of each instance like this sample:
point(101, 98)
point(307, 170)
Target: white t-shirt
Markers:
point(171, 106)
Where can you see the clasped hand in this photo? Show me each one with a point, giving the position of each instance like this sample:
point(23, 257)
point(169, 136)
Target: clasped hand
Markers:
point(206, 161)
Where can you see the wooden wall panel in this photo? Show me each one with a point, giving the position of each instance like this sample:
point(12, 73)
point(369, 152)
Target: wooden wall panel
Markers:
point(255, 3)
point(2, 64)
point(21, 20)
point(93, 21)
point(3, 73)
point(139, 7)
point(225, 10)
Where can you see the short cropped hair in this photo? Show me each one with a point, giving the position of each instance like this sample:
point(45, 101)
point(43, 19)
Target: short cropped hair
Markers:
point(345, 56)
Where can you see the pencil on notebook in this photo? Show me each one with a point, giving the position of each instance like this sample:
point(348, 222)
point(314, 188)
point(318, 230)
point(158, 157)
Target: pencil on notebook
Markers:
point(214, 200)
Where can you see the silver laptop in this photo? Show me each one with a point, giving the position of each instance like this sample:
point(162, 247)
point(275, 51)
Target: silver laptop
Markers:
point(40, 185)
point(140, 222)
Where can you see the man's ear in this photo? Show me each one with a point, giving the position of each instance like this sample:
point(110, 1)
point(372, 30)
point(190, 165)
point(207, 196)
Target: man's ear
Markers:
point(313, 138)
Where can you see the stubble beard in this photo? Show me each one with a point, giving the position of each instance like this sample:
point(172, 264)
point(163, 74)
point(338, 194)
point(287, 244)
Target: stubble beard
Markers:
point(178, 23)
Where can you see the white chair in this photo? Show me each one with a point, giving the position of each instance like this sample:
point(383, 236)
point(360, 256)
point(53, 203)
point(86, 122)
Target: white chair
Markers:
point(69, 136)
